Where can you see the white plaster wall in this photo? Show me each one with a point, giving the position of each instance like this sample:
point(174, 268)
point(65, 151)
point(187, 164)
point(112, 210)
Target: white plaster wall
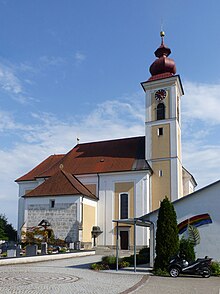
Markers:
point(173, 138)
point(23, 187)
point(174, 179)
point(88, 179)
point(26, 185)
point(205, 200)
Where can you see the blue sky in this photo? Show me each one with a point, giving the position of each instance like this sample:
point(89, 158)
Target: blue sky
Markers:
point(73, 69)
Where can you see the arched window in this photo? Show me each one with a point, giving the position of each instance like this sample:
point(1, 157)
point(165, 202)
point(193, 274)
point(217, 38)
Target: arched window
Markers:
point(160, 111)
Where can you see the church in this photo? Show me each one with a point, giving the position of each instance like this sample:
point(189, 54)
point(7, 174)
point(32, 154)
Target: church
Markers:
point(97, 182)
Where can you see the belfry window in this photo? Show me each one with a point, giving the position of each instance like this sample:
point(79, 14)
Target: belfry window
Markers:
point(160, 111)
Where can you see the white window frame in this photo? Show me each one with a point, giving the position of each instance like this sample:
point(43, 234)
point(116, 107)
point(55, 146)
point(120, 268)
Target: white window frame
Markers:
point(119, 206)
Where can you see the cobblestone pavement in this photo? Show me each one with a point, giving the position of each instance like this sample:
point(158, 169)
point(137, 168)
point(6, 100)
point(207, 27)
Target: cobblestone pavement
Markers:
point(64, 276)
point(73, 276)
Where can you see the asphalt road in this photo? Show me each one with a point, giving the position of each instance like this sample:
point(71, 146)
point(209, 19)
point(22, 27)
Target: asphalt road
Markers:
point(180, 285)
point(73, 276)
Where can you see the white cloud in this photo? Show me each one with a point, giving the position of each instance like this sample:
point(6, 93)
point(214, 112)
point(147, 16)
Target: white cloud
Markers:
point(203, 161)
point(51, 60)
point(9, 82)
point(8, 123)
point(201, 102)
point(79, 57)
point(200, 129)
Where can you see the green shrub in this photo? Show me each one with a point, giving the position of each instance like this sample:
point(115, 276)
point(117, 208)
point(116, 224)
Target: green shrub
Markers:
point(123, 263)
point(109, 262)
point(142, 258)
point(63, 250)
point(187, 249)
point(215, 268)
point(144, 255)
point(110, 259)
point(129, 259)
point(160, 272)
point(99, 267)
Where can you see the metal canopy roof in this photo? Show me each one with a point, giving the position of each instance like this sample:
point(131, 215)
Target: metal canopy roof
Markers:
point(134, 221)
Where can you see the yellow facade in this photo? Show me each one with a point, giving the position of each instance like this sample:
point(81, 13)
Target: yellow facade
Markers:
point(88, 222)
point(160, 144)
point(161, 182)
point(124, 187)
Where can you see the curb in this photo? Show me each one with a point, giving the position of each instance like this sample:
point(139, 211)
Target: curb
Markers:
point(20, 260)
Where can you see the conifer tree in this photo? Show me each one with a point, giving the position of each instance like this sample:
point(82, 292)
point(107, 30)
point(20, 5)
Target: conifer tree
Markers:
point(167, 239)
point(7, 232)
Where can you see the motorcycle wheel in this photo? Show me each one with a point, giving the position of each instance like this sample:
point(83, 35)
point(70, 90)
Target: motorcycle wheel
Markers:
point(174, 272)
point(206, 273)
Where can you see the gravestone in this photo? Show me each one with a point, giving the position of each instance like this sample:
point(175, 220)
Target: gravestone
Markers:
point(18, 251)
point(77, 245)
point(43, 248)
point(31, 250)
point(71, 245)
point(11, 253)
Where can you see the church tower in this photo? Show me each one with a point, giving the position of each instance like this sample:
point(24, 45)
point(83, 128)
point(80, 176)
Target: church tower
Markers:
point(163, 127)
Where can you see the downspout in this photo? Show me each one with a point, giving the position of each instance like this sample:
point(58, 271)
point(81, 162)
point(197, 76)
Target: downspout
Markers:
point(81, 225)
point(82, 211)
point(98, 186)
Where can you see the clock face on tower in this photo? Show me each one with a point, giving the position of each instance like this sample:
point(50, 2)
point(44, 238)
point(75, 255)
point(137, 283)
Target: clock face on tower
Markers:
point(160, 94)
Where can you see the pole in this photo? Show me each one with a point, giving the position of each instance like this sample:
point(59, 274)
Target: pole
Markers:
point(117, 247)
point(135, 257)
point(152, 244)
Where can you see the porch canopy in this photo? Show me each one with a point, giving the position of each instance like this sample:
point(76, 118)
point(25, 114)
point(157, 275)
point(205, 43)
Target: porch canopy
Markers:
point(136, 222)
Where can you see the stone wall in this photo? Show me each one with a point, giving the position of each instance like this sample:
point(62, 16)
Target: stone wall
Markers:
point(63, 218)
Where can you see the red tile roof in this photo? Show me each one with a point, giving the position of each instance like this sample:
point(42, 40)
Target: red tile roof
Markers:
point(43, 166)
point(60, 184)
point(97, 157)
point(161, 76)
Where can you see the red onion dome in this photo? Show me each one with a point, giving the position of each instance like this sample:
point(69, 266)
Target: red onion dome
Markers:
point(163, 65)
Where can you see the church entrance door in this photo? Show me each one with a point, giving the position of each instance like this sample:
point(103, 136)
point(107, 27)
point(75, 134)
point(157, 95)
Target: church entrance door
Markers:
point(124, 240)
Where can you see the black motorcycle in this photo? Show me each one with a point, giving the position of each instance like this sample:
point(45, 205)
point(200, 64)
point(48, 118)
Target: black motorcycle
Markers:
point(178, 265)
